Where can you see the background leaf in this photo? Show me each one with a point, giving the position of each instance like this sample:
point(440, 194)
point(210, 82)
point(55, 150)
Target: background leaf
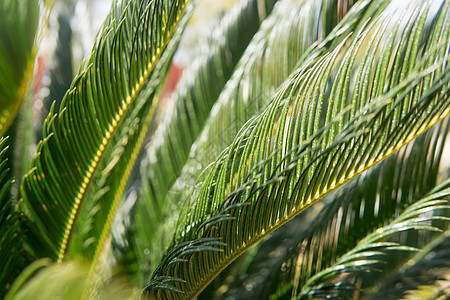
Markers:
point(17, 53)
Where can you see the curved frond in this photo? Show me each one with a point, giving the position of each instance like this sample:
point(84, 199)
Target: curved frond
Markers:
point(129, 46)
point(339, 115)
point(269, 59)
point(324, 232)
point(18, 28)
point(103, 197)
point(189, 107)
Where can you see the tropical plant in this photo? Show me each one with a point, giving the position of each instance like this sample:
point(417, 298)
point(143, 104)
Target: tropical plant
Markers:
point(303, 153)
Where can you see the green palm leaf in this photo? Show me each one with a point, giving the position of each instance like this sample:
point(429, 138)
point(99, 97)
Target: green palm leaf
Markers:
point(307, 142)
point(373, 201)
point(103, 197)
point(129, 46)
point(17, 52)
point(267, 62)
point(317, 237)
point(197, 91)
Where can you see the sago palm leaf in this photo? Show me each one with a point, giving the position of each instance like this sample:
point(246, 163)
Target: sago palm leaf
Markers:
point(372, 201)
point(339, 115)
point(197, 91)
point(18, 29)
point(369, 252)
point(267, 62)
point(270, 58)
point(103, 197)
point(322, 233)
point(377, 199)
point(129, 46)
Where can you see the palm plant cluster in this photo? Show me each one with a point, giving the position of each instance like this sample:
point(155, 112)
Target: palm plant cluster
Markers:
point(303, 154)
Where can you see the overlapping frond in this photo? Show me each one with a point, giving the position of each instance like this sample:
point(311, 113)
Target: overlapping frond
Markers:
point(189, 107)
point(129, 46)
point(267, 62)
point(316, 238)
point(339, 115)
point(17, 52)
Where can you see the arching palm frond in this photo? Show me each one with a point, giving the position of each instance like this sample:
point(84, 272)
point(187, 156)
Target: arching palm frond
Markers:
point(103, 197)
point(267, 62)
point(197, 91)
point(378, 197)
point(314, 240)
point(339, 115)
point(17, 52)
point(370, 202)
point(129, 46)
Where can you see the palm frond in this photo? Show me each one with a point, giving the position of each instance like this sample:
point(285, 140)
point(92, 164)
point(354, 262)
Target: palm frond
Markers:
point(197, 91)
point(337, 117)
point(369, 252)
point(129, 46)
point(17, 52)
point(103, 197)
point(267, 62)
point(270, 58)
point(314, 239)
